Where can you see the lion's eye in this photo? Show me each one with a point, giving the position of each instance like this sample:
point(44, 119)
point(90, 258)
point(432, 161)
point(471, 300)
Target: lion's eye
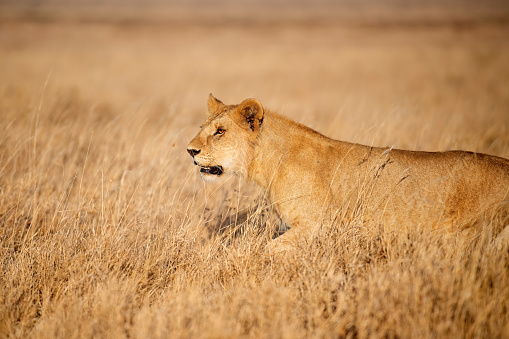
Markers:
point(220, 131)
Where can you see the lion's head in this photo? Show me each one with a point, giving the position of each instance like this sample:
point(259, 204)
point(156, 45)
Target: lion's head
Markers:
point(225, 143)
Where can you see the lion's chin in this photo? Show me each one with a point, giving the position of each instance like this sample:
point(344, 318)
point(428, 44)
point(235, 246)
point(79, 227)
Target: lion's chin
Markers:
point(208, 177)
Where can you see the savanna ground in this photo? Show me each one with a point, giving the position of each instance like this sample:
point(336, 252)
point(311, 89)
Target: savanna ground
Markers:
point(107, 231)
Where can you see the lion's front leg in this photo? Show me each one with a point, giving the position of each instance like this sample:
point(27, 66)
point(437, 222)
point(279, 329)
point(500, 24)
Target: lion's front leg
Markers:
point(304, 209)
point(295, 237)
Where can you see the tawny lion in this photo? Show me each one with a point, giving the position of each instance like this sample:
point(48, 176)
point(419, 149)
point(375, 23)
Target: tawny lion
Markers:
point(312, 179)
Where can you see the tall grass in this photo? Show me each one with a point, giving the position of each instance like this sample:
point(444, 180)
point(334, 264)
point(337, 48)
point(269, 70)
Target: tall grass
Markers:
point(107, 231)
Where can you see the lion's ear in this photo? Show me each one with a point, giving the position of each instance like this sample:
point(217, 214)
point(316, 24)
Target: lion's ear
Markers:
point(214, 105)
point(250, 112)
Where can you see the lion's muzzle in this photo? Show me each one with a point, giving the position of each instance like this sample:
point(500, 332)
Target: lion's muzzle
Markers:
point(214, 170)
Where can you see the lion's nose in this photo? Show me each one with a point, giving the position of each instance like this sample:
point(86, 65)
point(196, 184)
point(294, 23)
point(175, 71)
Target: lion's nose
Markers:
point(193, 152)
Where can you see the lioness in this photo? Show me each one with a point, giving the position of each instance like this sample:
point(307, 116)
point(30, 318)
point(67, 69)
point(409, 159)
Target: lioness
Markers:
point(312, 179)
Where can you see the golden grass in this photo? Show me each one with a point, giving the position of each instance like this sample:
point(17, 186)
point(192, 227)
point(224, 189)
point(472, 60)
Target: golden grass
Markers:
point(107, 231)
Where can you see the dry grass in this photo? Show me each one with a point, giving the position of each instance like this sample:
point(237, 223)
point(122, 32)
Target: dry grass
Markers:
point(107, 231)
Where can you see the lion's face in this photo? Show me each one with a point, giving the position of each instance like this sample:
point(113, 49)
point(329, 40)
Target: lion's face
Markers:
point(226, 140)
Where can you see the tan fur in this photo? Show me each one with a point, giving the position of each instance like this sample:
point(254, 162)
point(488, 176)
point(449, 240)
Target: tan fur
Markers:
point(312, 179)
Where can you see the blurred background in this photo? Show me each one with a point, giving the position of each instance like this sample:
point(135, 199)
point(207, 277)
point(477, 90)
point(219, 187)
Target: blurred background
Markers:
point(413, 74)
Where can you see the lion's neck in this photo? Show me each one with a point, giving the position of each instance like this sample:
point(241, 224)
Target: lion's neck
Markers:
point(275, 145)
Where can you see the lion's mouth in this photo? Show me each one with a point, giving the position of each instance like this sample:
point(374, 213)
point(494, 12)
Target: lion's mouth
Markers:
point(214, 170)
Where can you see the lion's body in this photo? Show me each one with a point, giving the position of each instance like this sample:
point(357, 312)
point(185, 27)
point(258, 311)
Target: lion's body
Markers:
point(311, 179)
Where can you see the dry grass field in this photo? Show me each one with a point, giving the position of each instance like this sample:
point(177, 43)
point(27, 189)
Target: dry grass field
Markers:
point(106, 230)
